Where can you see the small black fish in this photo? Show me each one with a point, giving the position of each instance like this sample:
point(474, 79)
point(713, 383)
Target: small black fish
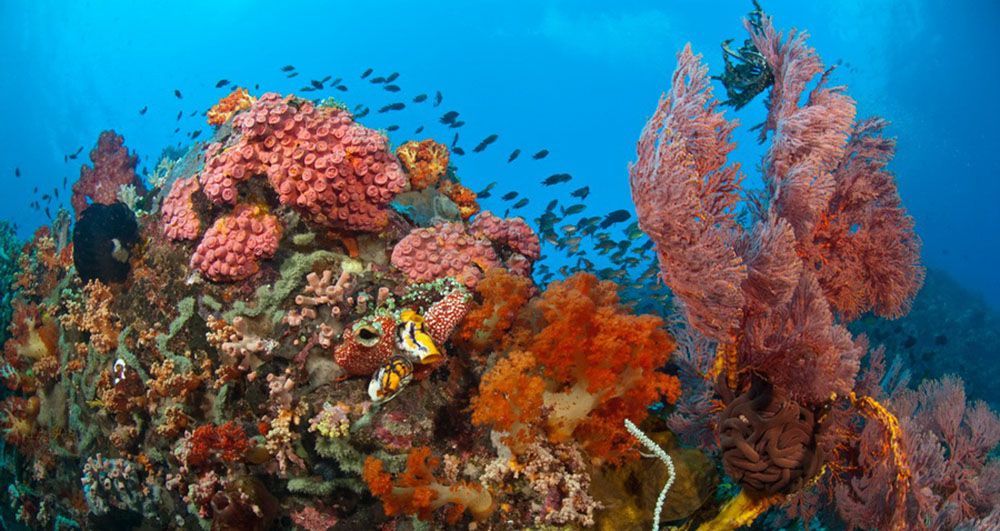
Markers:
point(35, 191)
point(523, 202)
point(77, 152)
point(55, 192)
point(195, 134)
point(327, 78)
point(508, 196)
point(64, 181)
point(617, 216)
point(221, 83)
point(318, 85)
point(392, 88)
point(194, 112)
point(582, 193)
point(358, 107)
point(336, 82)
point(458, 151)
point(419, 130)
point(47, 213)
point(552, 204)
point(342, 88)
point(180, 114)
point(65, 158)
point(177, 130)
point(437, 98)
point(178, 94)
point(46, 197)
point(541, 154)
point(485, 192)
point(293, 74)
point(287, 68)
point(363, 113)
point(376, 80)
point(448, 117)
point(17, 172)
point(513, 155)
point(143, 110)
point(398, 106)
point(420, 98)
point(367, 73)
point(306, 89)
point(457, 124)
point(556, 178)
point(392, 128)
point(485, 143)
point(392, 77)
point(256, 86)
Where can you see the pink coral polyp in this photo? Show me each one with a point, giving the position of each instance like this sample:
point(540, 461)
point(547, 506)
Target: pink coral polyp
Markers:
point(232, 248)
point(287, 139)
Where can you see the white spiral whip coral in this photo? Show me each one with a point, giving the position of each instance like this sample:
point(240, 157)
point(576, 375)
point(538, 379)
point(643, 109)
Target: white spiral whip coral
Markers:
point(663, 456)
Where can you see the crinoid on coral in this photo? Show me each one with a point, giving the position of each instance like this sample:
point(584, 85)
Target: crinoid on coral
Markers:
point(102, 240)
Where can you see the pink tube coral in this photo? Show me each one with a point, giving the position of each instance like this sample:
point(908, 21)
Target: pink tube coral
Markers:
point(444, 250)
point(334, 171)
point(232, 249)
point(180, 221)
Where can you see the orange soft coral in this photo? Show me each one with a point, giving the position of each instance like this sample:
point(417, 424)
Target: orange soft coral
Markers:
point(598, 364)
point(237, 100)
point(425, 162)
point(417, 491)
point(461, 196)
point(17, 422)
point(502, 296)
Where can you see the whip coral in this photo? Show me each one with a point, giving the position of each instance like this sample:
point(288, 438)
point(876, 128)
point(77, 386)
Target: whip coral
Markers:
point(425, 162)
point(589, 363)
point(417, 491)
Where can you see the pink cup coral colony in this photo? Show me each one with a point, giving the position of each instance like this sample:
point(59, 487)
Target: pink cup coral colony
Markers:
point(290, 349)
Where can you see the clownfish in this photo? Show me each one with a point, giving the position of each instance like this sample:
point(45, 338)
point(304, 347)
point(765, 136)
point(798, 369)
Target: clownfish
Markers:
point(118, 370)
point(414, 341)
point(390, 379)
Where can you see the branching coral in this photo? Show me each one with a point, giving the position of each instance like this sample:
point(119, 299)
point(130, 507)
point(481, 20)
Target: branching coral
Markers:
point(419, 492)
point(588, 365)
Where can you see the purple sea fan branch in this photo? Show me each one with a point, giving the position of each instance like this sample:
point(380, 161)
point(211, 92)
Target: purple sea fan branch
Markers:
point(684, 194)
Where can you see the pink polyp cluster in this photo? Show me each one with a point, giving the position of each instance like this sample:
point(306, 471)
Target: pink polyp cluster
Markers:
point(333, 170)
point(180, 221)
point(232, 248)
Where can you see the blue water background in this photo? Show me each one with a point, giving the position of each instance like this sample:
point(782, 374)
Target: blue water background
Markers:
point(577, 78)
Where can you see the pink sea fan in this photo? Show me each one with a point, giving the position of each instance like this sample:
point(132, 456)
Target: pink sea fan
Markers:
point(684, 192)
point(801, 349)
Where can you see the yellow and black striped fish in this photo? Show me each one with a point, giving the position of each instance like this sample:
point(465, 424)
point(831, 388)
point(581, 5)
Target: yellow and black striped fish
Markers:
point(413, 340)
point(390, 379)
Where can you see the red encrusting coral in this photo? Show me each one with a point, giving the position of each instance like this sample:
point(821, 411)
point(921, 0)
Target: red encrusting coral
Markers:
point(589, 361)
point(419, 492)
point(336, 172)
point(226, 443)
point(232, 249)
point(113, 168)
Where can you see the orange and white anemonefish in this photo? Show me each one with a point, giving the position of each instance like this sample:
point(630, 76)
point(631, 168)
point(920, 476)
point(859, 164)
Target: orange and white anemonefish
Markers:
point(390, 379)
point(413, 340)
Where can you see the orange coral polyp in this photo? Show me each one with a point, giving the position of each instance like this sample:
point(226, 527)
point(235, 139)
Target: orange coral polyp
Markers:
point(426, 162)
point(237, 100)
